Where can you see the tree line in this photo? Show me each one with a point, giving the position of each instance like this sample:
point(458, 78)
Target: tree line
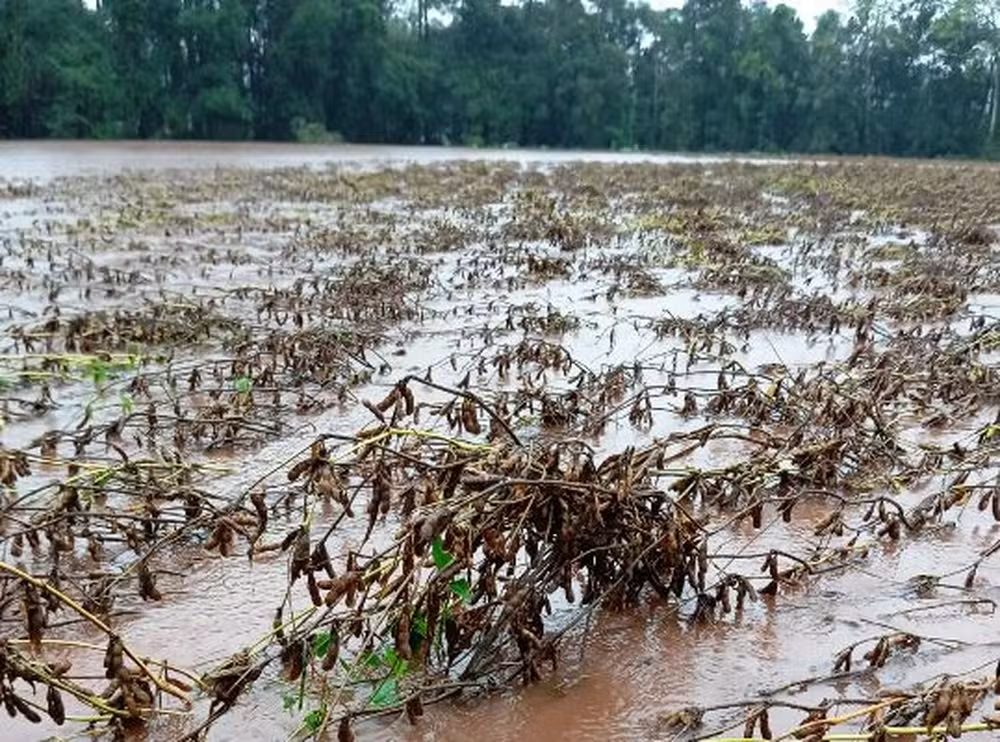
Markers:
point(901, 77)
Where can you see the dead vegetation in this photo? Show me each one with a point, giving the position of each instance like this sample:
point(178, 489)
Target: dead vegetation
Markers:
point(447, 352)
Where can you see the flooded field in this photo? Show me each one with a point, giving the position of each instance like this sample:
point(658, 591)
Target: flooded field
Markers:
point(384, 446)
point(41, 161)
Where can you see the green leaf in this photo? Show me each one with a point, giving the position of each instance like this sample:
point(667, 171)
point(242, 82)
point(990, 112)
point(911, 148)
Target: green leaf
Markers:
point(127, 403)
point(418, 631)
point(98, 371)
point(389, 658)
point(462, 589)
point(321, 644)
point(394, 663)
point(419, 625)
point(243, 385)
point(314, 719)
point(289, 701)
point(386, 694)
point(441, 557)
point(102, 477)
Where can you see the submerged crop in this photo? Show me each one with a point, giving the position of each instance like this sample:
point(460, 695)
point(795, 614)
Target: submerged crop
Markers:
point(368, 441)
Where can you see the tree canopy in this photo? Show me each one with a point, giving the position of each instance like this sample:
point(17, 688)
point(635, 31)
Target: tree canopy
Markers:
point(902, 77)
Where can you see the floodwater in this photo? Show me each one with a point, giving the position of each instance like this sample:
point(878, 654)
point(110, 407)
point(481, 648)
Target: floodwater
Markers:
point(44, 160)
point(620, 674)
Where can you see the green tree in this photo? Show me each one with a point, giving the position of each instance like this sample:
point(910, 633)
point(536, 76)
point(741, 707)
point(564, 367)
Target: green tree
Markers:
point(55, 65)
point(214, 49)
point(914, 77)
point(772, 67)
point(834, 115)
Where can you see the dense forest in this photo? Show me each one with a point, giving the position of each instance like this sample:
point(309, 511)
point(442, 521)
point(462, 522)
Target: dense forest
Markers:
point(903, 77)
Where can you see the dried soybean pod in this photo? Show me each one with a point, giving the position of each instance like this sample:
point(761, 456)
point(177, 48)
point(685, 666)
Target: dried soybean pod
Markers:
point(257, 498)
point(24, 709)
point(54, 702)
point(333, 651)
point(843, 661)
point(408, 399)
point(344, 731)
point(342, 586)
point(113, 658)
point(470, 419)
point(300, 555)
point(403, 636)
point(389, 400)
point(894, 529)
point(147, 584)
point(722, 597)
point(937, 711)
point(292, 661)
point(702, 563)
point(414, 709)
point(765, 725)
point(741, 594)
point(321, 560)
point(314, 594)
point(299, 469)
point(225, 540)
point(958, 710)
point(34, 615)
point(869, 513)
point(786, 510)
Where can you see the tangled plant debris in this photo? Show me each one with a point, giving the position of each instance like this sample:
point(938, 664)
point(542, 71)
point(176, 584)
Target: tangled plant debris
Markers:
point(458, 413)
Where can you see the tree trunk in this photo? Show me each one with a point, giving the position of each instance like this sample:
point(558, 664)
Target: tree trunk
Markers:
point(656, 108)
point(996, 96)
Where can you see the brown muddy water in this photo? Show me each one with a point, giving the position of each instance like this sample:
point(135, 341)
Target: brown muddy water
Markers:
point(834, 330)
